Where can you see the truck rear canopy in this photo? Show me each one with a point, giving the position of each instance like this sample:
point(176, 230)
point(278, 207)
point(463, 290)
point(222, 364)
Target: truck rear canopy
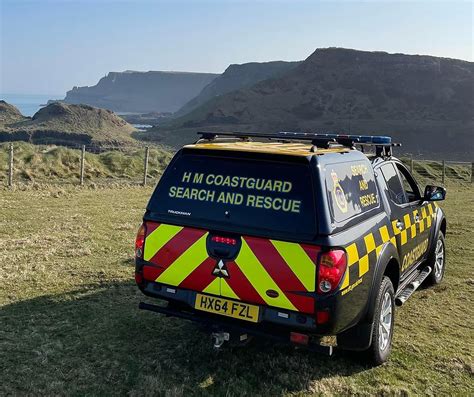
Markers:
point(237, 193)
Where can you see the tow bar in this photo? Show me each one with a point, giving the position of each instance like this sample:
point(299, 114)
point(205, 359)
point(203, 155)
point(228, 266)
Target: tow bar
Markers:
point(243, 331)
point(218, 339)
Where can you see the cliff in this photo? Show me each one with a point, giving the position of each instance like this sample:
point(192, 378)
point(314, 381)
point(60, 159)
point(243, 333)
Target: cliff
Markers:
point(425, 102)
point(236, 77)
point(141, 92)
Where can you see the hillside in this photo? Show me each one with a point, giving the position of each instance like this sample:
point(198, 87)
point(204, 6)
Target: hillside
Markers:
point(61, 123)
point(50, 164)
point(9, 114)
point(423, 101)
point(141, 92)
point(236, 77)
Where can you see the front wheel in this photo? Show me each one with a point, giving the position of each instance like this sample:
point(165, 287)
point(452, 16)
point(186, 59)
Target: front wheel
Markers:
point(438, 261)
point(384, 321)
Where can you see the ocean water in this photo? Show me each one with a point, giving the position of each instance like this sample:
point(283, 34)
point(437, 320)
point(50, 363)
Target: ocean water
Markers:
point(28, 104)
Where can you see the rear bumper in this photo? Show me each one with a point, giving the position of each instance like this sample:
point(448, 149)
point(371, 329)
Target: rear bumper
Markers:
point(219, 323)
point(268, 316)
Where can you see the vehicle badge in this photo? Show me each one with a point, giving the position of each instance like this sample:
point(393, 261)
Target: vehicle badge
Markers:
point(339, 195)
point(220, 270)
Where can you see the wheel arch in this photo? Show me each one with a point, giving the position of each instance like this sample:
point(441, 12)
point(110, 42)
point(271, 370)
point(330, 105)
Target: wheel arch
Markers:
point(388, 264)
point(443, 226)
point(359, 337)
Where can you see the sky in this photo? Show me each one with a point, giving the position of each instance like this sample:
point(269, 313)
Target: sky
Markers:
point(49, 46)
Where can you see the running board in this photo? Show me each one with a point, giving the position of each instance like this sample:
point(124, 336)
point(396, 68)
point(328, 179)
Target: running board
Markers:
point(406, 292)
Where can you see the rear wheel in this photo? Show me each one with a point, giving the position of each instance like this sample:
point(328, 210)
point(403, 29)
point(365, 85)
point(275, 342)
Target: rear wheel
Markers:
point(437, 261)
point(384, 319)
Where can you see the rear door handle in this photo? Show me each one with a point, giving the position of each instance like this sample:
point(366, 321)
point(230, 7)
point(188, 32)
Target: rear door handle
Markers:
point(400, 225)
point(417, 217)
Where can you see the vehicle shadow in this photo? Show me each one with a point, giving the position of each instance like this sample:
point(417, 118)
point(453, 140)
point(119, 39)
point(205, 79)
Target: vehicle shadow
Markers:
point(96, 341)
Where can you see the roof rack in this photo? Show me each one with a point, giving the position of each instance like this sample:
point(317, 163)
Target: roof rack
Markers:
point(383, 144)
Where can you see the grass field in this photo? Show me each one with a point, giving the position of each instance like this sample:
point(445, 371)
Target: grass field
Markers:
point(69, 323)
point(40, 164)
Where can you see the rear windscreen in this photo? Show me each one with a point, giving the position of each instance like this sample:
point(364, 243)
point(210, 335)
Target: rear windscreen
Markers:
point(240, 195)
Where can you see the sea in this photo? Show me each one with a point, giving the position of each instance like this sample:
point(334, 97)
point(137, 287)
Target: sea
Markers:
point(29, 104)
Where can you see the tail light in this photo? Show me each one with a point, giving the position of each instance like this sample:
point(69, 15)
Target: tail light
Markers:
point(296, 337)
point(224, 240)
point(331, 269)
point(140, 241)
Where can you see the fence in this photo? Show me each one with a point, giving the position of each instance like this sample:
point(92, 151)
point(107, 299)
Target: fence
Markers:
point(24, 163)
point(141, 165)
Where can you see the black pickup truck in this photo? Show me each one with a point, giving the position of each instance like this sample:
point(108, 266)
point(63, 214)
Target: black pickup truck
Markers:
point(290, 236)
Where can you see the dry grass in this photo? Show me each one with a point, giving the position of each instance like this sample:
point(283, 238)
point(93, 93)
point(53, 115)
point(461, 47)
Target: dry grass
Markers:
point(69, 322)
point(52, 164)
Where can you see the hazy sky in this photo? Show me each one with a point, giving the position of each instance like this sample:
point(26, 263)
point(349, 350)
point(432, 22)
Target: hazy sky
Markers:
point(49, 46)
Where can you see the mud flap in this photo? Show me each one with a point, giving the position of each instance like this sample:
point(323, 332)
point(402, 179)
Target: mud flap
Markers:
point(357, 338)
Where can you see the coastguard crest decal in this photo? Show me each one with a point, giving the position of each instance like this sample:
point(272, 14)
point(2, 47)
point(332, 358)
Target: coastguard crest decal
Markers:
point(339, 195)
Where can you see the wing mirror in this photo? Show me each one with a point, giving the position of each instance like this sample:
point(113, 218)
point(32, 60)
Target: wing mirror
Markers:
point(434, 193)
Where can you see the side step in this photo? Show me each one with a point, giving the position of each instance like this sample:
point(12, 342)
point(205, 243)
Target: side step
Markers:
point(412, 286)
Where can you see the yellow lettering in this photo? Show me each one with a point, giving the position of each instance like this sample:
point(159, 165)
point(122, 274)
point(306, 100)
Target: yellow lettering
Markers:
point(198, 178)
point(287, 186)
point(186, 177)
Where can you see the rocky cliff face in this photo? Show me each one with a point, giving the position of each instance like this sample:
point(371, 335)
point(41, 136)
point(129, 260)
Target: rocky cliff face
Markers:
point(236, 77)
point(421, 100)
point(141, 92)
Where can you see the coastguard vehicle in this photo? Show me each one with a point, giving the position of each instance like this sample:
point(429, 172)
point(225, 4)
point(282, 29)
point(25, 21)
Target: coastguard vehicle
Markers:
point(290, 236)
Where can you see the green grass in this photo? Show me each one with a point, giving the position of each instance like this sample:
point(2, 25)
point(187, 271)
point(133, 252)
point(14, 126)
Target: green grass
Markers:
point(69, 322)
point(57, 164)
point(50, 164)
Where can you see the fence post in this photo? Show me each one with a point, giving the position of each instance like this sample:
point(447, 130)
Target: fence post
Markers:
point(444, 172)
point(411, 164)
point(83, 155)
point(10, 167)
point(472, 172)
point(145, 165)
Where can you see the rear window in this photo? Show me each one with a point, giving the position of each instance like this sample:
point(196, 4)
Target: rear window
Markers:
point(351, 189)
point(236, 194)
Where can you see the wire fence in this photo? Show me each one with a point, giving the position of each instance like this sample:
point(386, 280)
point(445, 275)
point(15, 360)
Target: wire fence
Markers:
point(23, 163)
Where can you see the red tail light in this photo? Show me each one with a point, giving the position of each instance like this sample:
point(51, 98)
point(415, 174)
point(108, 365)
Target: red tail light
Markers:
point(140, 241)
point(332, 266)
point(301, 339)
point(224, 240)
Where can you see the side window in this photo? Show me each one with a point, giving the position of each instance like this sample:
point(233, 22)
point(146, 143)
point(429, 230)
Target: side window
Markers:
point(412, 192)
point(395, 188)
point(351, 189)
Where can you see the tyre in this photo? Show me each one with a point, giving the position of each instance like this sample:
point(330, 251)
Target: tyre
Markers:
point(384, 321)
point(437, 261)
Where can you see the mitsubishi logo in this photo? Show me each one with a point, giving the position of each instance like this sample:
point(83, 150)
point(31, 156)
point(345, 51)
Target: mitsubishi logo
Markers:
point(220, 270)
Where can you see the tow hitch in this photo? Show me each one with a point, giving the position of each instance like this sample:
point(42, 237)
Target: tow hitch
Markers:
point(218, 339)
point(242, 333)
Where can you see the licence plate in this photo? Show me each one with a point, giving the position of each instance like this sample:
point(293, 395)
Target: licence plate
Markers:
point(227, 308)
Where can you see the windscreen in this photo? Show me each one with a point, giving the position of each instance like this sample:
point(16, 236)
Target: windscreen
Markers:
point(237, 195)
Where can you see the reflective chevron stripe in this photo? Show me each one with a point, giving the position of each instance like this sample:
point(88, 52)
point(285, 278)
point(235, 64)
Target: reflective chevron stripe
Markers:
point(158, 238)
point(260, 279)
point(186, 263)
point(298, 261)
point(269, 272)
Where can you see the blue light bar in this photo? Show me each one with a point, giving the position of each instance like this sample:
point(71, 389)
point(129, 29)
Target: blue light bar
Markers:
point(361, 139)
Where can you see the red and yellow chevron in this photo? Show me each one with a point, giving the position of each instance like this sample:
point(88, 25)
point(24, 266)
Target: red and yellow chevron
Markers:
point(180, 258)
